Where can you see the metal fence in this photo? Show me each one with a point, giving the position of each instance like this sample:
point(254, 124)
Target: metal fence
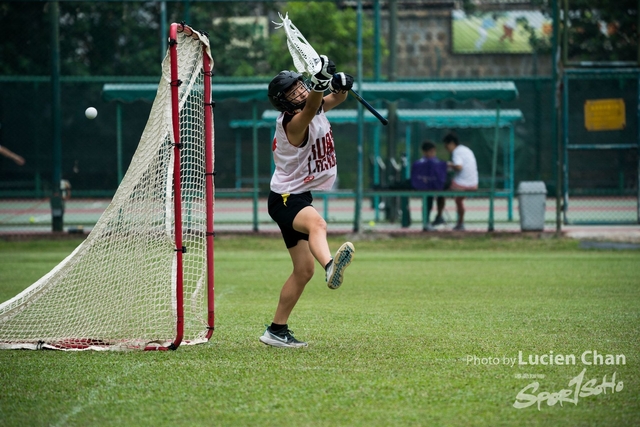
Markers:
point(601, 138)
point(600, 167)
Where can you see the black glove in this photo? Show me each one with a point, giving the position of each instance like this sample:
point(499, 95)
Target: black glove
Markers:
point(341, 82)
point(322, 79)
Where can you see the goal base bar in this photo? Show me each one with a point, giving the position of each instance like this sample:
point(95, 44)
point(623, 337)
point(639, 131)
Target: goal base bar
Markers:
point(81, 344)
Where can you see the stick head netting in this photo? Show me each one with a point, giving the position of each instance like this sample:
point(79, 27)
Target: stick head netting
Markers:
point(305, 58)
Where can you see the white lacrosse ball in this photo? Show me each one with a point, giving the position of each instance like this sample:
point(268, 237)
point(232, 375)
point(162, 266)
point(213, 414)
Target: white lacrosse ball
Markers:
point(91, 113)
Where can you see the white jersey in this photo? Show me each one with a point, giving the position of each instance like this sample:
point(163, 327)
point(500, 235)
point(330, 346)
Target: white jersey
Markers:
point(468, 176)
point(311, 165)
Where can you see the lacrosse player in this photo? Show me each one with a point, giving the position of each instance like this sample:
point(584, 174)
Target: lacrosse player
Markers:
point(305, 160)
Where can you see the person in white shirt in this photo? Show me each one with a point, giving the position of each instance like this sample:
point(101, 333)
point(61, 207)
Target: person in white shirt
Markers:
point(465, 178)
point(305, 160)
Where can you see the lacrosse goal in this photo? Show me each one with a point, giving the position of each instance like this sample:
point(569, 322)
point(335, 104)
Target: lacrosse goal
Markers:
point(143, 277)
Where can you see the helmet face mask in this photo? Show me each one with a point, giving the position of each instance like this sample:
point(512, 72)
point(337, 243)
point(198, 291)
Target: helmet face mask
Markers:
point(283, 95)
point(297, 94)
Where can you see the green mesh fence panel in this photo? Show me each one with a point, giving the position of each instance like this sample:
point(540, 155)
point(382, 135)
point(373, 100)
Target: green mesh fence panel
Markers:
point(601, 178)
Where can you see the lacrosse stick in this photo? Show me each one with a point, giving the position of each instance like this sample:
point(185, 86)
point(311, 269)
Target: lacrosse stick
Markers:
point(307, 61)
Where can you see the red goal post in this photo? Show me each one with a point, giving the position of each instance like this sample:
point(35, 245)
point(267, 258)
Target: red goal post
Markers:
point(143, 279)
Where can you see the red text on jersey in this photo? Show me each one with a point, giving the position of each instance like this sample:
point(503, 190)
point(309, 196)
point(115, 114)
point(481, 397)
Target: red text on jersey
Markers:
point(323, 155)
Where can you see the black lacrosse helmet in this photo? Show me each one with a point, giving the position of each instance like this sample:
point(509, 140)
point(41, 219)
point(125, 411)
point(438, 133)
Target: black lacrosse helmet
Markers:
point(278, 88)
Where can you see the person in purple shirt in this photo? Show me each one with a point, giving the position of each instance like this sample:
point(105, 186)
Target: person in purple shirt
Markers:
point(428, 173)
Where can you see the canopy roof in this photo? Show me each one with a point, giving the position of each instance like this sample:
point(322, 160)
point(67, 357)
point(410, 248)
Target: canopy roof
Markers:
point(485, 118)
point(336, 116)
point(437, 91)
point(131, 92)
point(390, 91)
point(260, 123)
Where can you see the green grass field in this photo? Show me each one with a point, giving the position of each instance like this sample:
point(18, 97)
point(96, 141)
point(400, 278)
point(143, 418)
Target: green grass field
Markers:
point(394, 346)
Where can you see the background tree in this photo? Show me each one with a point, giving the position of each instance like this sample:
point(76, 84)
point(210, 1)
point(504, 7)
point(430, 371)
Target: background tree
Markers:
point(237, 49)
point(330, 31)
point(123, 38)
point(22, 51)
point(603, 30)
point(96, 38)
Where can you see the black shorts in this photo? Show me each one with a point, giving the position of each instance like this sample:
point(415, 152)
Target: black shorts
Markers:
point(284, 209)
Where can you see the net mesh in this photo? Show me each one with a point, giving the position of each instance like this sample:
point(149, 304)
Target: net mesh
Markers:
point(117, 290)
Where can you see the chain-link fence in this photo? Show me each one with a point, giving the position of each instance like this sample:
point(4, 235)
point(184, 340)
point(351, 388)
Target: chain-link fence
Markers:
point(433, 44)
point(600, 143)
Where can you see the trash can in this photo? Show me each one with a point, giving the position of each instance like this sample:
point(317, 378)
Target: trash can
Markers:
point(532, 197)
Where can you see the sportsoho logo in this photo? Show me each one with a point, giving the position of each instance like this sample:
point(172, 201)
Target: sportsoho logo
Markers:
point(578, 387)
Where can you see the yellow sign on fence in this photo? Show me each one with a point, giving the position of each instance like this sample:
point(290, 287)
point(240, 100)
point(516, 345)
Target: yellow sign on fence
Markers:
point(604, 114)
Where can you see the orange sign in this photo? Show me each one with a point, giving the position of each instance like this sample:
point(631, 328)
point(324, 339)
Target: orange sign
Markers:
point(604, 114)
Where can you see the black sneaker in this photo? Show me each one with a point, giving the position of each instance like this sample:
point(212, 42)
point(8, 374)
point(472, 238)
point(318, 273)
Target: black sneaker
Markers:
point(438, 221)
point(284, 339)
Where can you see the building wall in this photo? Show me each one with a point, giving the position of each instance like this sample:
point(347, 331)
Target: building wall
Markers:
point(424, 51)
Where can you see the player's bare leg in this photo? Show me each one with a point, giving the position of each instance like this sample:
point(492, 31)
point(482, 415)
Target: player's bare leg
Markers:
point(303, 255)
point(303, 268)
point(309, 221)
point(279, 334)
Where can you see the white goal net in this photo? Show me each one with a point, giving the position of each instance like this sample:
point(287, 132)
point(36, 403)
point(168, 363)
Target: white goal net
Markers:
point(120, 289)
